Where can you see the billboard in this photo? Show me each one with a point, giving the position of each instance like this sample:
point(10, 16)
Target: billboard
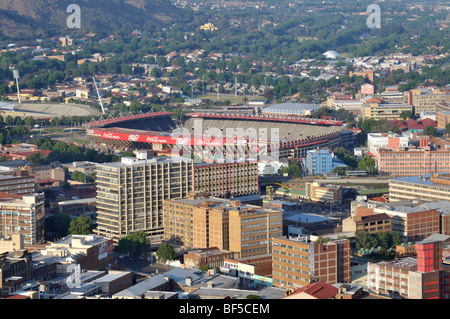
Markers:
point(104, 249)
point(367, 89)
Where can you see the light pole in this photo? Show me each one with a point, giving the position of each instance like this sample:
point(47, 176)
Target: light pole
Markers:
point(16, 76)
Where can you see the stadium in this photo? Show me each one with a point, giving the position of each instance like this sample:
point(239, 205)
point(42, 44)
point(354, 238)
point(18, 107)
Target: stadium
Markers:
point(214, 133)
point(46, 110)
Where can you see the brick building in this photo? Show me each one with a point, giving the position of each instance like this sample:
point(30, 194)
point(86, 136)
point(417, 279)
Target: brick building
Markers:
point(91, 252)
point(227, 179)
point(297, 262)
point(22, 214)
point(411, 278)
point(201, 221)
point(211, 257)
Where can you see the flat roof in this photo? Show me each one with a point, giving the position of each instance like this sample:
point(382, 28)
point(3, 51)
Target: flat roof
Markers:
point(308, 218)
point(111, 276)
point(425, 180)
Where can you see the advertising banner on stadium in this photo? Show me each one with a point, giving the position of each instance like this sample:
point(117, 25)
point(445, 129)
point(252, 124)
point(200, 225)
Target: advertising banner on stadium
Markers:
point(172, 140)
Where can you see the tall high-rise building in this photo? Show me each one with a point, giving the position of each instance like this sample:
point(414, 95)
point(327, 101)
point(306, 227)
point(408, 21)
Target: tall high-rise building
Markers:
point(130, 194)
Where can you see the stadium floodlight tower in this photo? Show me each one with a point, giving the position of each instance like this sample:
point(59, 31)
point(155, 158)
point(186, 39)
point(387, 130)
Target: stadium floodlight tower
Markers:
point(99, 97)
point(16, 76)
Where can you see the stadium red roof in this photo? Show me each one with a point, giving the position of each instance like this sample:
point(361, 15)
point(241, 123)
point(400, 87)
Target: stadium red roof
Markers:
point(116, 120)
point(286, 119)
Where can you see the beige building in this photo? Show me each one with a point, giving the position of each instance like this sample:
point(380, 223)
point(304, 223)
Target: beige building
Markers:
point(227, 179)
point(376, 109)
point(130, 194)
point(425, 99)
point(297, 262)
point(367, 223)
point(23, 214)
point(204, 222)
point(10, 244)
point(330, 194)
point(428, 187)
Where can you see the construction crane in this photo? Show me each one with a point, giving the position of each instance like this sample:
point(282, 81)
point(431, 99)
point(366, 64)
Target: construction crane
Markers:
point(99, 98)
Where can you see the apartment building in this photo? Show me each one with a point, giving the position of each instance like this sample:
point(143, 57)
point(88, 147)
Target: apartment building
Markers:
point(23, 214)
point(318, 162)
point(251, 230)
point(202, 222)
point(413, 161)
point(376, 109)
point(227, 179)
point(424, 99)
point(376, 141)
point(443, 114)
point(19, 181)
point(411, 278)
point(297, 262)
point(368, 223)
point(324, 193)
point(412, 220)
point(429, 187)
point(130, 194)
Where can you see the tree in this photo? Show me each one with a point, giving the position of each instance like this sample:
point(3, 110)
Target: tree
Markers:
point(80, 226)
point(430, 130)
point(367, 164)
point(447, 128)
point(294, 168)
point(322, 240)
point(78, 177)
point(204, 268)
point(36, 159)
point(166, 252)
point(405, 115)
point(58, 225)
point(134, 244)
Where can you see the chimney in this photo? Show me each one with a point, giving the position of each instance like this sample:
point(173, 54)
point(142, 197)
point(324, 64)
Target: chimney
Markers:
point(236, 203)
point(210, 284)
point(188, 282)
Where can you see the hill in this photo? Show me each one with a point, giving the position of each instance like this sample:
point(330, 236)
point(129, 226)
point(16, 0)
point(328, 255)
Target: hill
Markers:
point(37, 17)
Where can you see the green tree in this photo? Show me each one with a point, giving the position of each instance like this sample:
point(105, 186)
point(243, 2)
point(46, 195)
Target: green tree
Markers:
point(166, 252)
point(405, 115)
point(36, 159)
point(430, 130)
point(58, 225)
point(367, 164)
point(134, 244)
point(294, 168)
point(322, 240)
point(204, 268)
point(447, 128)
point(81, 225)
